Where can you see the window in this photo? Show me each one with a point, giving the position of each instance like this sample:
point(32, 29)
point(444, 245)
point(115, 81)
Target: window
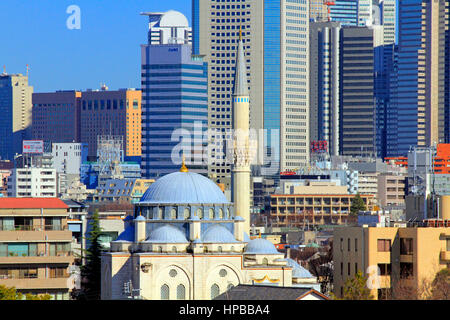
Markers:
point(356, 245)
point(448, 244)
point(348, 244)
point(406, 270)
point(406, 246)
point(59, 249)
point(385, 269)
point(342, 269)
point(58, 272)
point(384, 294)
point(384, 245)
point(214, 291)
point(181, 292)
point(342, 244)
point(165, 292)
point(348, 268)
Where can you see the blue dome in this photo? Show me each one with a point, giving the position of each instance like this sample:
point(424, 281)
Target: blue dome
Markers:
point(260, 246)
point(167, 234)
point(183, 187)
point(297, 270)
point(218, 233)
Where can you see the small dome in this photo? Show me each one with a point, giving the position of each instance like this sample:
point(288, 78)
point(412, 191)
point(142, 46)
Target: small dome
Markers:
point(183, 187)
point(167, 234)
point(297, 270)
point(217, 233)
point(140, 218)
point(260, 246)
point(173, 18)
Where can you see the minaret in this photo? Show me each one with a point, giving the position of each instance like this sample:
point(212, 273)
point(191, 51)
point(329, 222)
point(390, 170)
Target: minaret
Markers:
point(241, 153)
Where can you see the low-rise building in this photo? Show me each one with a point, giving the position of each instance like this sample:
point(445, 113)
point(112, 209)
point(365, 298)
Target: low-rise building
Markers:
point(32, 182)
point(121, 190)
point(35, 246)
point(393, 258)
point(391, 190)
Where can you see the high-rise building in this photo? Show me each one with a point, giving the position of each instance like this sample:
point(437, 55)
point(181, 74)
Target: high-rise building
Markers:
point(117, 113)
point(324, 83)
point(175, 101)
point(319, 10)
point(175, 109)
point(420, 107)
point(275, 36)
point(15, 110)
point(56, 116)
point(357, 114)
point(345, 11)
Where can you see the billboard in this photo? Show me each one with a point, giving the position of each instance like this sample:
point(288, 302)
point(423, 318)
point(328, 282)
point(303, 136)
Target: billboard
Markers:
point(33, 146)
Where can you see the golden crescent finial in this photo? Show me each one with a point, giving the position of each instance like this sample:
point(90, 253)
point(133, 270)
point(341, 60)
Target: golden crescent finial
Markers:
point(240, 33)
point(183, 165)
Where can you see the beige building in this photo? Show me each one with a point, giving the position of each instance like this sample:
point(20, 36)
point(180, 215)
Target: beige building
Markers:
point(35, 246)
point(391, 190)
point(313, 209)
point(33, 182)
point(15, 110)
point(390, 256)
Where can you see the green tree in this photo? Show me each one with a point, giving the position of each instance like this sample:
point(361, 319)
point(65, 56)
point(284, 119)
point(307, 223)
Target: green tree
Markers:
point(10, 293)
point(91, 270)
point(357, 205)
point(356, 289)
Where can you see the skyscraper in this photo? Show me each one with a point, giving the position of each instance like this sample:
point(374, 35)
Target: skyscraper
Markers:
point(357, 114)
point(15, 110)
point(420, 102)
point(345, 11)
point(275, 38)
point(168, 27)
point(175, 106)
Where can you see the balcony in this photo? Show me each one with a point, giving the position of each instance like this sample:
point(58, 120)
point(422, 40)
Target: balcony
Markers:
point(38, 283)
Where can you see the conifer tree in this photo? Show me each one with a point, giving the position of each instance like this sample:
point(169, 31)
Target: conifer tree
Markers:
point(357, 205)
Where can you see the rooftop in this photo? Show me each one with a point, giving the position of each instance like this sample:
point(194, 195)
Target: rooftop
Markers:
point(32, 203)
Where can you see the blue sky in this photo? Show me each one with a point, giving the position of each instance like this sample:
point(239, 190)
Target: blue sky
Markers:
point(105, 49)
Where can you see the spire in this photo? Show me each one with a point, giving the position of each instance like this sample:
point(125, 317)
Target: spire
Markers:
point(183, 165)
point(240, 77)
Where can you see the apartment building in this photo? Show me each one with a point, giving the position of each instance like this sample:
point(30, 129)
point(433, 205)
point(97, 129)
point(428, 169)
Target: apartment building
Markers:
point(391, 189)
point(392, 257)
point(35, 246)
point(33, 182)
point(313, 208)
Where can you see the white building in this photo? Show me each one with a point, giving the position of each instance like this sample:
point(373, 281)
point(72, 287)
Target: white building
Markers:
point(68, 157)
point(32, 182)
point(170, 27)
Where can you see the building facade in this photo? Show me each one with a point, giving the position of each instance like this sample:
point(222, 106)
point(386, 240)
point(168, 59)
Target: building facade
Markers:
point(33, 182)
point(175, 109)
point(35, 246)
point(56, 116)
point(394, 258)
point(15, 108)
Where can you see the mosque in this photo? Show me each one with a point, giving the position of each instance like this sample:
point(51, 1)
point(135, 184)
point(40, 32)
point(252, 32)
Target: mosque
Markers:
point(187, 241)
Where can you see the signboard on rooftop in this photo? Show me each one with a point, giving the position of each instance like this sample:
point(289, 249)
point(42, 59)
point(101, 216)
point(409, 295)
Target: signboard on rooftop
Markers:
point(33, 146)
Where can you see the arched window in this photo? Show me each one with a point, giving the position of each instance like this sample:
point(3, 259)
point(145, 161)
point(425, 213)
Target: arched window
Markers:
point(187, 213)
point(173, 214)
point(159, 249)
point(215, 291)
point(211, 213)
point(164, 292)
point(200, 213)
point(219, 248)
point(181, 292)
point(265, 262)
point(160, 213)
point(220, 213)
point(174, 249)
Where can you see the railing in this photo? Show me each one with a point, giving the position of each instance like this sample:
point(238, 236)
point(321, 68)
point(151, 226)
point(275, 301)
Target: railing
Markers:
point(34, 228)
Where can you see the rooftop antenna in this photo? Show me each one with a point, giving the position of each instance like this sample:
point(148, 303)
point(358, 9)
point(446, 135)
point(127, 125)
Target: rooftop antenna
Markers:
point(4, 69)
point(28, 68)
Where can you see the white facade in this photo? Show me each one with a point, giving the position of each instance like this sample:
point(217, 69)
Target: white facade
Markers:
point(68, 157)
point(170, 27)
point(32, 182)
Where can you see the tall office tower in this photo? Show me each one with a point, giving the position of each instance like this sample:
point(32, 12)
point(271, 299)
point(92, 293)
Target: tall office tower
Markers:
point(56, 116)
point(241, 140)
point(118, 113)
point(168, 27)
point(357, 114)
point(324, 83)
point(175, 109)
point(318, 10)
point(175, 102)
point(15, 110)
point(447, 74)
point(420, 103)
point(345, 11)
point(387, 11)
point(275, 38)
point(365, 12)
